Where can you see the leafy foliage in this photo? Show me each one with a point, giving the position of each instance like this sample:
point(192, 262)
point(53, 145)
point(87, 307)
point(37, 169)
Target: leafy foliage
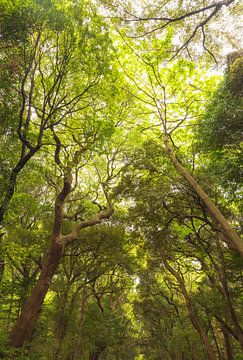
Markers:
point(103, 241)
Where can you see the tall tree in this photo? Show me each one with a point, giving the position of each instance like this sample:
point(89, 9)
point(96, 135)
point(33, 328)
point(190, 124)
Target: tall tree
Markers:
point(65, 111)
point(174, 105)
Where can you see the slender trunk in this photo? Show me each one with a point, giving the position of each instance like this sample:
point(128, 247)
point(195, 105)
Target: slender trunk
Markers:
point(2, 265)
point(13, 179)
point(24, 328)
point(9, 192)
point(96, 353)
point(197, 325)
point(229, 311)
point(94, 356)
point(191, 350)
point(237, 327)
point(215, 340)
point(60, 326)
point(227, 296)
point(2, 260)
point(228, 345)
point(78, 350)
point(232, 237)
point(191, 311)
point(25, 287)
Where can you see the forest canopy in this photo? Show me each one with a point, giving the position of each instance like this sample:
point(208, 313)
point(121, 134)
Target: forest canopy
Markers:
point(121, 180)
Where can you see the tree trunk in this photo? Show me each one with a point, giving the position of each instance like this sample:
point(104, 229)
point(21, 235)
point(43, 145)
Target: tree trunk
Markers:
point(24, 328)
point(61, 325)
point(9, 191)
point(237, 327)
point(78, 349)
point(191, 311)
point(94, 356)
point(231, 236)
point(227, 297)
point(191, 350)
point(228, 345)
point(197, 325)
point(97, 352)
point(2, 264)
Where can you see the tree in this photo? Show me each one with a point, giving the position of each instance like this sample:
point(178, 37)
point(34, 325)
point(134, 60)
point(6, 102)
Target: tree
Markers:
point(183, 248)
point(159, 90)
point(119, 182)
point(62, 107)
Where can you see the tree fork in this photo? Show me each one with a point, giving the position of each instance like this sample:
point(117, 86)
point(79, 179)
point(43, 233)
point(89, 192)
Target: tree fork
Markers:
point(26, 323)
point(25, 326)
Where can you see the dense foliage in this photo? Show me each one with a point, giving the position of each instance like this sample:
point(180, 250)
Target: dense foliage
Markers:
point(120, 180)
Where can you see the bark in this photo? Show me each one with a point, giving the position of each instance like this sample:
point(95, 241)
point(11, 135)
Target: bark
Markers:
point(24, 328)
point(228, 345)
point(232, 237)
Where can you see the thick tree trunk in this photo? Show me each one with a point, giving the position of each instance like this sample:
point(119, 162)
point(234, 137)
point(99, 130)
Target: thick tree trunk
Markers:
point(232, 237)
point(24, 328)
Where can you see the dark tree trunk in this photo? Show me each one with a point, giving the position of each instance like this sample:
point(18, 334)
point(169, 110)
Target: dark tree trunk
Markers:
point(24, 328)
point(60, 326)
point(97, 352)
point(228, 345)
point(78, 349)
point(2, 265)
point(95, 355)
point(13, 179)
